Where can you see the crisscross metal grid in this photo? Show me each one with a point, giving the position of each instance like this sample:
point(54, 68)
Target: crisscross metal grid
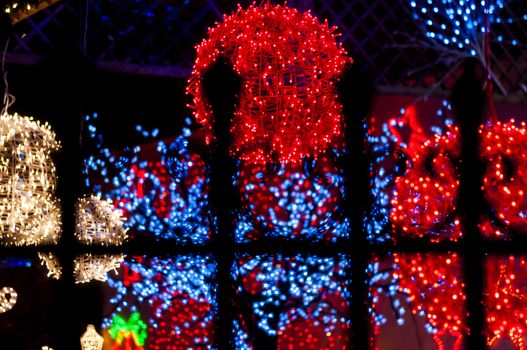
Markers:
point(158, 37)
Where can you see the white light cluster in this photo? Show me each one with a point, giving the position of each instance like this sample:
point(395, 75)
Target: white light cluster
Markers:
point(91, 340)
point(52, 264)
point(98, 222)
point(8, 297)
point(88, 267)
point(29, 213)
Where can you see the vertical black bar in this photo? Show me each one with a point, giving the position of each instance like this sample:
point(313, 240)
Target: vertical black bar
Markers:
point(221, 86)
point(356, 94)
point(67, 70)
point(468, 100)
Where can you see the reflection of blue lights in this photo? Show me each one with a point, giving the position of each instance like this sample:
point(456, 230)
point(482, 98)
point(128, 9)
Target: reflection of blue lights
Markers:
point(296, 288)
point(383, 284)
point(159, 280)
point(154, 195)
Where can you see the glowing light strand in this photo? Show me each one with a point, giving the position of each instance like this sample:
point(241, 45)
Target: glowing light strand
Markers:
point(88, 267)
point(29, 213)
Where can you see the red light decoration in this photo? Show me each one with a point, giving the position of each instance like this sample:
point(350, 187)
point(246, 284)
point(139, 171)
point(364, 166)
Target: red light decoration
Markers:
point(289, 63)
point(183, 325)
point(504, 150)
point(506, 300)
point(309, 334)
point(434, 288)
point(425, 195)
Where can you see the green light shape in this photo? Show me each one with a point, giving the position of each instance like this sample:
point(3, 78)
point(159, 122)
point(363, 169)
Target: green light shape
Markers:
point(122, 329)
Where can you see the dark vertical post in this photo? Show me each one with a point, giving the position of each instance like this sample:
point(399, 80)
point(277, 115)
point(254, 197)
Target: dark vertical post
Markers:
point(222, 85)
point(69, 162)
point(67, 70)
point(356, 94)
point(468, 100)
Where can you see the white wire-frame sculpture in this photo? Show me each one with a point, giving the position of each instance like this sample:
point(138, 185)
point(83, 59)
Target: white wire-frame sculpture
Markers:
point(99, 223)
point(29, 212)
point(88, 267)
point(52, 264)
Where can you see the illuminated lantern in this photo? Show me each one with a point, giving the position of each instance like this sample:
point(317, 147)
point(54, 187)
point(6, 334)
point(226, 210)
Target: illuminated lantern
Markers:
point(506, 300)
point(425, 196)
point(290, 200)
point(98, 222)
point(435, 290)
point(504, 151)
point(289, 63)
point(91, 340)
point(29, 214)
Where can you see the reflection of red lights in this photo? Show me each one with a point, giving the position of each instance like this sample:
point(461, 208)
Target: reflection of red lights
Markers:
point(186, 324)
point(425, 196)
point(506, 300)
point(504, 150)
point(288, 61)
point(310, 334)
point(434, 287)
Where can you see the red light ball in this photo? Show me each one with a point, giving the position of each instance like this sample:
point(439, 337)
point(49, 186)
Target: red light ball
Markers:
point(289, 63)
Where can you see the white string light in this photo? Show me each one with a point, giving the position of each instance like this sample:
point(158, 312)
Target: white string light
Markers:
point(8, 297)
point(98, 222)
point(52, 264)
point(91, 340)
point(29, 213)
point(88, 267)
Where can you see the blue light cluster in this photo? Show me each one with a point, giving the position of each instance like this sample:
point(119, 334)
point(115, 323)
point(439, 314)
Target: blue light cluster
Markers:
point(457, 26)
point(162, 189)
point(160, 186)
point(15, 262)
point(292, 201)
point(383, 285)
point(151, 284)
point(283, 290)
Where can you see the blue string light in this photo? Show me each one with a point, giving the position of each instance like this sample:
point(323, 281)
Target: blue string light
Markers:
point(162, 190)
point(457, 27)
point(154, 283)
point(296, 288)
